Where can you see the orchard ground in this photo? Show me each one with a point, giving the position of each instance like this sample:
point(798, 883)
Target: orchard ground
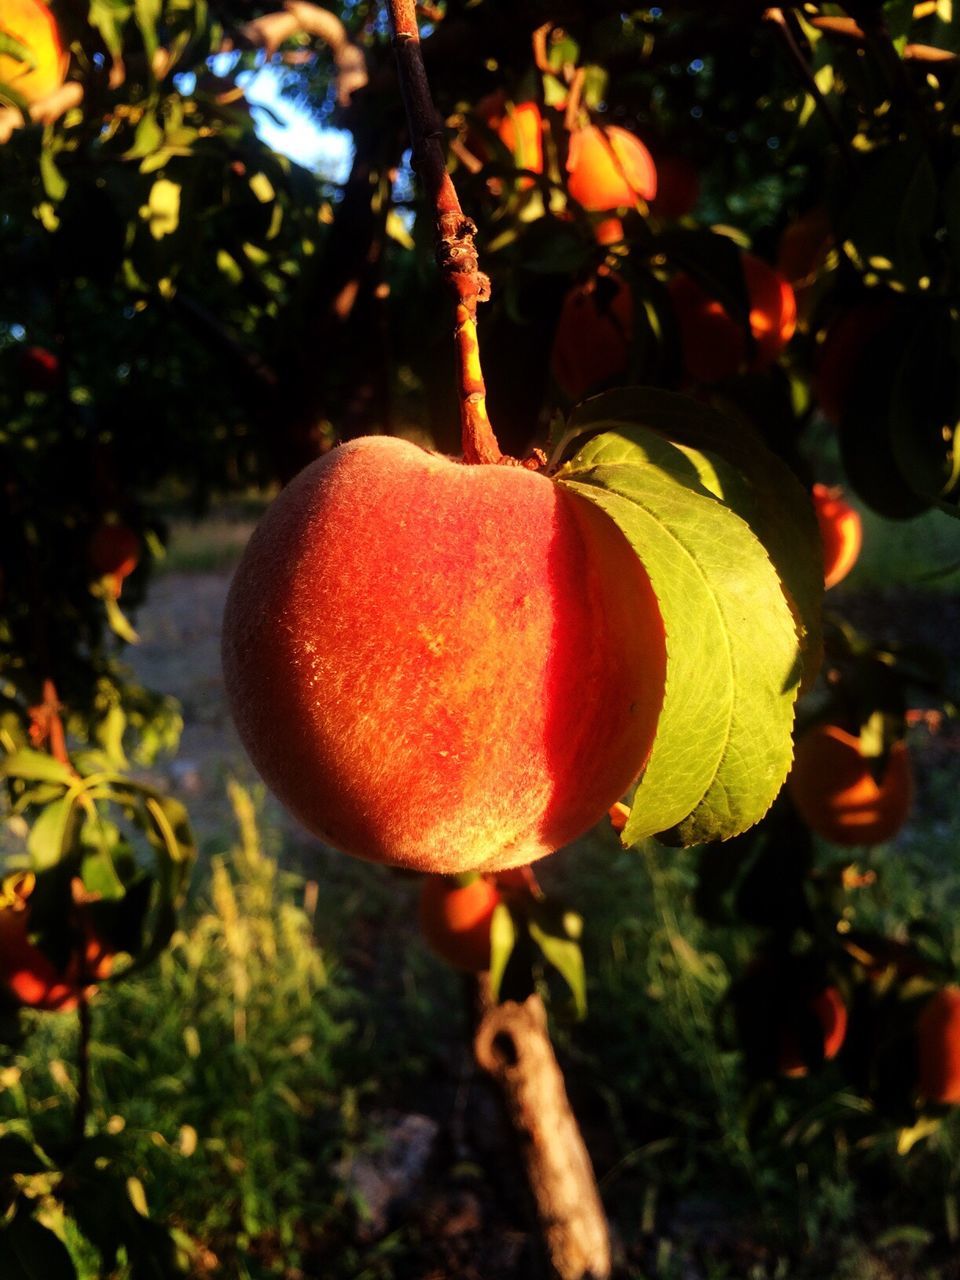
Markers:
point(325, 1119)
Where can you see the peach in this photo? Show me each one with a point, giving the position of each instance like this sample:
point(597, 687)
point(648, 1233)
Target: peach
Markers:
point(441, 666)
point(114, 553)
point(938, 1047)
point(609, 168)
point(829, 1010)
point(592, 342)
point(841, 532)
point(714, 343)
point(837, 796)
point(455, 920)
point(31, 24)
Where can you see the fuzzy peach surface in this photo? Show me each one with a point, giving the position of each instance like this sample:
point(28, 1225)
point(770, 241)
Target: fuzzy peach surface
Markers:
point(32, 24)
point(440, 666)
point(837, 796)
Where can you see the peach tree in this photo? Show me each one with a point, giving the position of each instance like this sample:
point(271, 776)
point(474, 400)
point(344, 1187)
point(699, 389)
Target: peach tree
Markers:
point(695, 254)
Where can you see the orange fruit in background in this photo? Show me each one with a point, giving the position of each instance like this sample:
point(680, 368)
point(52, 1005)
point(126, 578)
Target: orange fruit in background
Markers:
point(828, 1008)
point(592, 341)
point(455, 920)
point(609, 168)
point(519, 126)
point(841, 532)
point(114, 552)
point(714, 343)
point(32, 24)
point(938, 1047)
point(28, 973)
point(804, 246)
point(837, 796)
point(442, 666)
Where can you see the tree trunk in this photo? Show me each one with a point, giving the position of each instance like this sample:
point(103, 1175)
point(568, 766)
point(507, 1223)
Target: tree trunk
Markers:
point(512, 1045)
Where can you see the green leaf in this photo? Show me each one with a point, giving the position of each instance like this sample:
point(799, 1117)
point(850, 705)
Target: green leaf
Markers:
point(503, 937)
point(117, 620)
point(54, 183)
point(49, 835)
point(723, 743)
point(148, 15)
point(11, 47)
point(17, 1155)
point(757, 485)
point(556, 931)
point(36, 766)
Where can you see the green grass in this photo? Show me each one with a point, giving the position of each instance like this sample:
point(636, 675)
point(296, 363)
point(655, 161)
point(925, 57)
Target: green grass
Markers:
point(292, 1009)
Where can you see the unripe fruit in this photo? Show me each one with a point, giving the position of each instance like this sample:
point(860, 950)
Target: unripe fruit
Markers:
point(114, 553)
point(39, 368)
point(836, 795)
point(841, 532)
point(938, 1047)
point(455, 920)
point(441, 666)
point(609, 168)
point(32, 25)
point(829, 1010)
point(592, 342)
point(714, 343)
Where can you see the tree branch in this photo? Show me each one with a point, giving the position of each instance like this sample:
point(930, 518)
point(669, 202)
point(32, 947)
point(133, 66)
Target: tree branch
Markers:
point(454, 233)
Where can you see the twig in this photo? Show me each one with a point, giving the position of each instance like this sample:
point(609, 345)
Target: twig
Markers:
point(848, 29)
point(454, 233)
point(777, 17)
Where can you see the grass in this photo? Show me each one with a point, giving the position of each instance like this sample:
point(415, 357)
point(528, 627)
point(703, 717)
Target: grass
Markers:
point(232, 1079)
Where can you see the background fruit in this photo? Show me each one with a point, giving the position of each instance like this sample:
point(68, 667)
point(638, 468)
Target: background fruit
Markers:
point(609, 168)
point(592, 341)
point(938, 1047)
point(714, 343)
point(841, 532)
point(519, 127)
point(836, 795)
point(476, 698)
point(114, 552)
point(455, 920)
point(32, 24)
point(830, 1012)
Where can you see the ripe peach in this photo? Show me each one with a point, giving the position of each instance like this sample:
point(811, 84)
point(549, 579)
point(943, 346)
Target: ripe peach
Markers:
point(609, 168)
point(938, 1047)
point(714, 343)
point(841, 532)
point(592, 341)
point(441, 666)
point(31, 977)
point(836, 794)
point(32, 25)
point(828, 1008)
point(455, 920)
point(519, 127)
point(114, 553)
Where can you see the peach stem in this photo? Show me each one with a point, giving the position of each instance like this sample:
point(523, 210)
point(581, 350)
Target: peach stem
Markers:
point(454, 233)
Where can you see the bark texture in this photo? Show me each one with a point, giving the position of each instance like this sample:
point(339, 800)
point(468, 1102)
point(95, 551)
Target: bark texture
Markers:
point(512, 1045)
